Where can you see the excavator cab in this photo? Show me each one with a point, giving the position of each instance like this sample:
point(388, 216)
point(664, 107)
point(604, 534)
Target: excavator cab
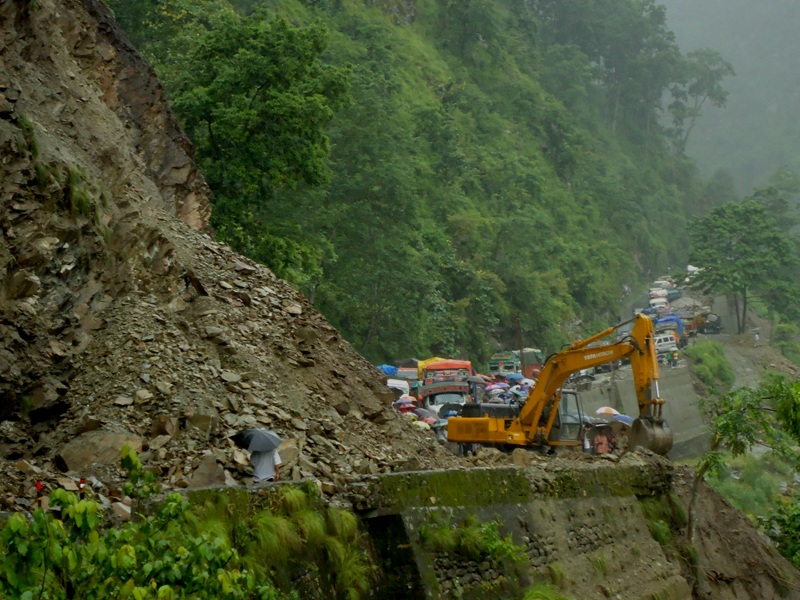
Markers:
point(568, 424)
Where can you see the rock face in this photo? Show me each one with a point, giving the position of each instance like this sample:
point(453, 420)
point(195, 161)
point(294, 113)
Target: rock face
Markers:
point(121, 319)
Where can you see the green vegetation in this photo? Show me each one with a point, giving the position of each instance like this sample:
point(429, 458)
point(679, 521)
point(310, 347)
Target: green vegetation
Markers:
point(426, 176)
point(709, 363)
point(663, 515)
point(30, 135)
point(214, 550)
point(78, 193)
point(768, 415)
point(743, 248)
point(599, 565)
point(543, 591)
point(752, 483)
point(471, 539)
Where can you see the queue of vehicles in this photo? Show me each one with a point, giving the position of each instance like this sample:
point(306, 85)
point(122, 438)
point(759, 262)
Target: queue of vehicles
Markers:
point(551, 415)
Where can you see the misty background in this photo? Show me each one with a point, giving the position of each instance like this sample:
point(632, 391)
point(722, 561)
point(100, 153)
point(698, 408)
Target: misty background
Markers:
point(759, 129)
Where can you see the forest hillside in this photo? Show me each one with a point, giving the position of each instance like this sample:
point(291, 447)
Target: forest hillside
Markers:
point(433, 173)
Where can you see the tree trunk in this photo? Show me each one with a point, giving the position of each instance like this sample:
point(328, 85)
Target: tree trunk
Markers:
point(736, 310)
point(744, 310)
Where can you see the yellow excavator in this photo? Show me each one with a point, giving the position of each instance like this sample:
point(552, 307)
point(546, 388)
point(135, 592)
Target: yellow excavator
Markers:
point(552, 416)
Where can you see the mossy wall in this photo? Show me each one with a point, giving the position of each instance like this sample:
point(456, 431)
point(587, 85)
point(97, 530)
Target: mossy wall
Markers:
point(578, 524)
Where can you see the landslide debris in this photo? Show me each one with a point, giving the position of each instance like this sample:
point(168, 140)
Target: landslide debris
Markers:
point(122, 320)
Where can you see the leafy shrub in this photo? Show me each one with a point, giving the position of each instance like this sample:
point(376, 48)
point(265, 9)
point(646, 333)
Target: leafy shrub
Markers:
point(471, 539)
point(783, 527)
point(182, 551)
point(710, 365)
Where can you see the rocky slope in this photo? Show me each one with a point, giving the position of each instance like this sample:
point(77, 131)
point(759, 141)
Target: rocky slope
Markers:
point(121, 318)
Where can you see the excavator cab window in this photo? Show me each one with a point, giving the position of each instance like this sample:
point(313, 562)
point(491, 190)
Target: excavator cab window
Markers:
point(568, 424)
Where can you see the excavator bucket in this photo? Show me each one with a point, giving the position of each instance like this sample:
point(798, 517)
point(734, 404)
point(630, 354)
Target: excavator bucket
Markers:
point(655, 435)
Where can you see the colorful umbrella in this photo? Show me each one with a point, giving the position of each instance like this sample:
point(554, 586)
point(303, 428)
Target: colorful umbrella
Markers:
point(623, 419)
point(606, 410)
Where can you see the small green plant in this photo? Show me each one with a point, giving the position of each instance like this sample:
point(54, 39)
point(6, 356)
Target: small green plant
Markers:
point(544, 591)
point(471, 539)
point(141, 483)
point(26, 125)
point(636, 552)
point(42, 176)
point(690, 554)
point(660, 531)
point(599, 565)
point(557, 574)
point(79, 197)
point(25, 404)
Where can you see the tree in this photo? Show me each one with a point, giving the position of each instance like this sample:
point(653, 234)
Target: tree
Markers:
point(740, 250)
point(768, 415)
point(253, 94)
point(703, 72)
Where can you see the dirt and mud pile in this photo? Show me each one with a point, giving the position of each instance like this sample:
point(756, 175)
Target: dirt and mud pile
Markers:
point(122, 320)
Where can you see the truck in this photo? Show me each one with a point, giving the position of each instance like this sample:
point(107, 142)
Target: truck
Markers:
point(675, 324)
point(708, 323)
point(540, 421)
point(510, 361)
point(444, 381)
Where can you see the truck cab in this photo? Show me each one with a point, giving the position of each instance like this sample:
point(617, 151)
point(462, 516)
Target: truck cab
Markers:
point(444, 382)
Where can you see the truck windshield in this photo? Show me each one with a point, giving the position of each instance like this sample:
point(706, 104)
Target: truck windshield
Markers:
point(440, 399)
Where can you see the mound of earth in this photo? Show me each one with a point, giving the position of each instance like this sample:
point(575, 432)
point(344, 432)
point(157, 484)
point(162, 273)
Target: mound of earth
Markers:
point(122, 320)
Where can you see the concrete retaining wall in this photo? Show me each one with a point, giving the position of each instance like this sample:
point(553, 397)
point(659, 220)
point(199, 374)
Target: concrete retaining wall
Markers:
point(582, 528)
point(681, 409)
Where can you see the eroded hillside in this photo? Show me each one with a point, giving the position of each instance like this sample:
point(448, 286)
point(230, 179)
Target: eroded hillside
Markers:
point(121, 317)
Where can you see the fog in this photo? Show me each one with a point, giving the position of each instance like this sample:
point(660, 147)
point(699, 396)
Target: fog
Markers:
point(759, 130)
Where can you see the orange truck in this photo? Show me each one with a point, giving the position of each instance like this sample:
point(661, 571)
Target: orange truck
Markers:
point(444, 381)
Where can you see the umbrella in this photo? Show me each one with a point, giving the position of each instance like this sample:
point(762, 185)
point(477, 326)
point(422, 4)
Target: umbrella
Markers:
point(597, 428)
point(515, 376)
point(476, 379)
point(257, 439)
point(404, 405)
point(388, 369)
point(528, 382)
point(423, 413)
point(623, 419)
point(606, 410)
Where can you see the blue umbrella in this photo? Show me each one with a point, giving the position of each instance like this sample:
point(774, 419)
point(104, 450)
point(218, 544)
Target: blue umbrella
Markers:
point(515, 376)
point(623, 419)
point(388, 369)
